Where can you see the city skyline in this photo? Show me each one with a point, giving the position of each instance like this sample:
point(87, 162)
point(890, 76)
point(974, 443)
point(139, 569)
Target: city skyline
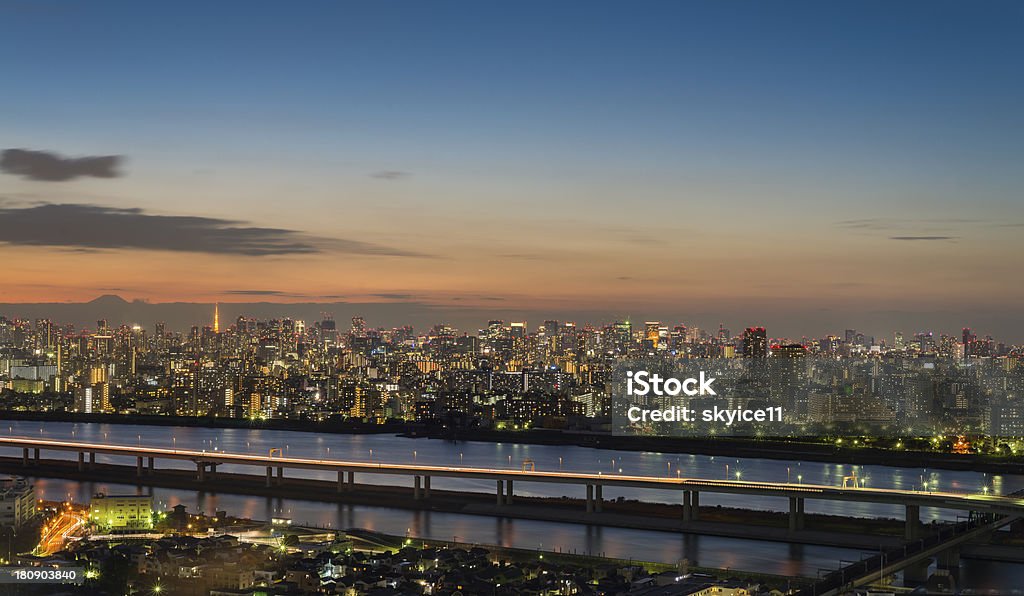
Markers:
point(180, 317)
point(762, 165)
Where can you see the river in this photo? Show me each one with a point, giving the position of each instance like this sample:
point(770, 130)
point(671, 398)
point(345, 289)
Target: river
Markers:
point(753, 555)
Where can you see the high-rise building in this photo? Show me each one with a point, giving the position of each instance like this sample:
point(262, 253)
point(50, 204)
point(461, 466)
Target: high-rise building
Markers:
point(755, 343)
point(651, 334)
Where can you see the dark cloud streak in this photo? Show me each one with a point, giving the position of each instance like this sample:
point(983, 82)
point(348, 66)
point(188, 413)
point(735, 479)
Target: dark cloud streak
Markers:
point(86, 227)
point(51, 167)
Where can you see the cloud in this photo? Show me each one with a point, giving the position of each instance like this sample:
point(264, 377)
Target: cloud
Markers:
point(393, 296)
point(255, 292)
point(915, 238)
point(87, 227)
point(51, 167)
point(391, 175)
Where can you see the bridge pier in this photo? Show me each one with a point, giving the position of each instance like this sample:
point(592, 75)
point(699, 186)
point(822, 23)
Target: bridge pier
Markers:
point(694, 505)
point(416, 488)
point(270, 476)
point(913, 526)
point(138, 467)
point(687, 509)
point(917, 573)
point(24, 457)
point(151, 465)
point(590, 498)
point(949, 560)
point(351, 481)
point(92, 459)
point(598, 498)
point(280, 475)
point(341, 481)
point(426, 487)
point(201, 471)
point(501, 490)
point(508, 492)
point(81, 461)
point(35, 455)
point(796, 514)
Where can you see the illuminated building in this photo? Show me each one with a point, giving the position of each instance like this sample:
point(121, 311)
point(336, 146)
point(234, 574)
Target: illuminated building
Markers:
point(125, 512)
point(755, 343)
point(17, 502)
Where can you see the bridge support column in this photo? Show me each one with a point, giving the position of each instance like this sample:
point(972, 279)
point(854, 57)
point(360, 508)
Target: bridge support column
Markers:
point(590, 498)
point(687, 509)
point(270, 475)
point(416, 488)
point(508, 492)
point(598, 498)
point(35, 455)
point(213, 470)
point(694, 505)
point(341, 481)
point(917, 573)
point(201, 471)
point(138, 467)
point(426, 487)
point(351, 481)
point(501, 490)
point(92, 459)
point(913, 527)
point(796, 514)
point(948, 561)
point(280, 475)
point(150, 465)
point(81, 461)
point(24, 457)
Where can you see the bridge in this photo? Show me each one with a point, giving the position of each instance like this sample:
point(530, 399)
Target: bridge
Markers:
point(275, 464)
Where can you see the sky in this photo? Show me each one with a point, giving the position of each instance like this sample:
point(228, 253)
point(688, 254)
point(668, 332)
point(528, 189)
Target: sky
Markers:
point(805, 165)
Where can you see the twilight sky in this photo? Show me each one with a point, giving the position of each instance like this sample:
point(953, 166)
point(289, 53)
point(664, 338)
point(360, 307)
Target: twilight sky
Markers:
point(811, 166)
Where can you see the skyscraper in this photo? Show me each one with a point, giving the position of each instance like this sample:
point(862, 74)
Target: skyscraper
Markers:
point(755, 343)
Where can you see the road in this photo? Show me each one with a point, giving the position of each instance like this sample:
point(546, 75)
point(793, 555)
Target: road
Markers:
point(68, 522)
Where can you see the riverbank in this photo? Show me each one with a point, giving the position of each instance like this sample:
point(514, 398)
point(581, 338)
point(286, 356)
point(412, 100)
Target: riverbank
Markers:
point(522, 555)
point(794, 449)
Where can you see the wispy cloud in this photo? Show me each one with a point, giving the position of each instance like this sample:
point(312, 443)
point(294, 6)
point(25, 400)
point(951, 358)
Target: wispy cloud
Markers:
point(52, 167)
point(391, 175)
point(915, 238)
point(89, 227)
